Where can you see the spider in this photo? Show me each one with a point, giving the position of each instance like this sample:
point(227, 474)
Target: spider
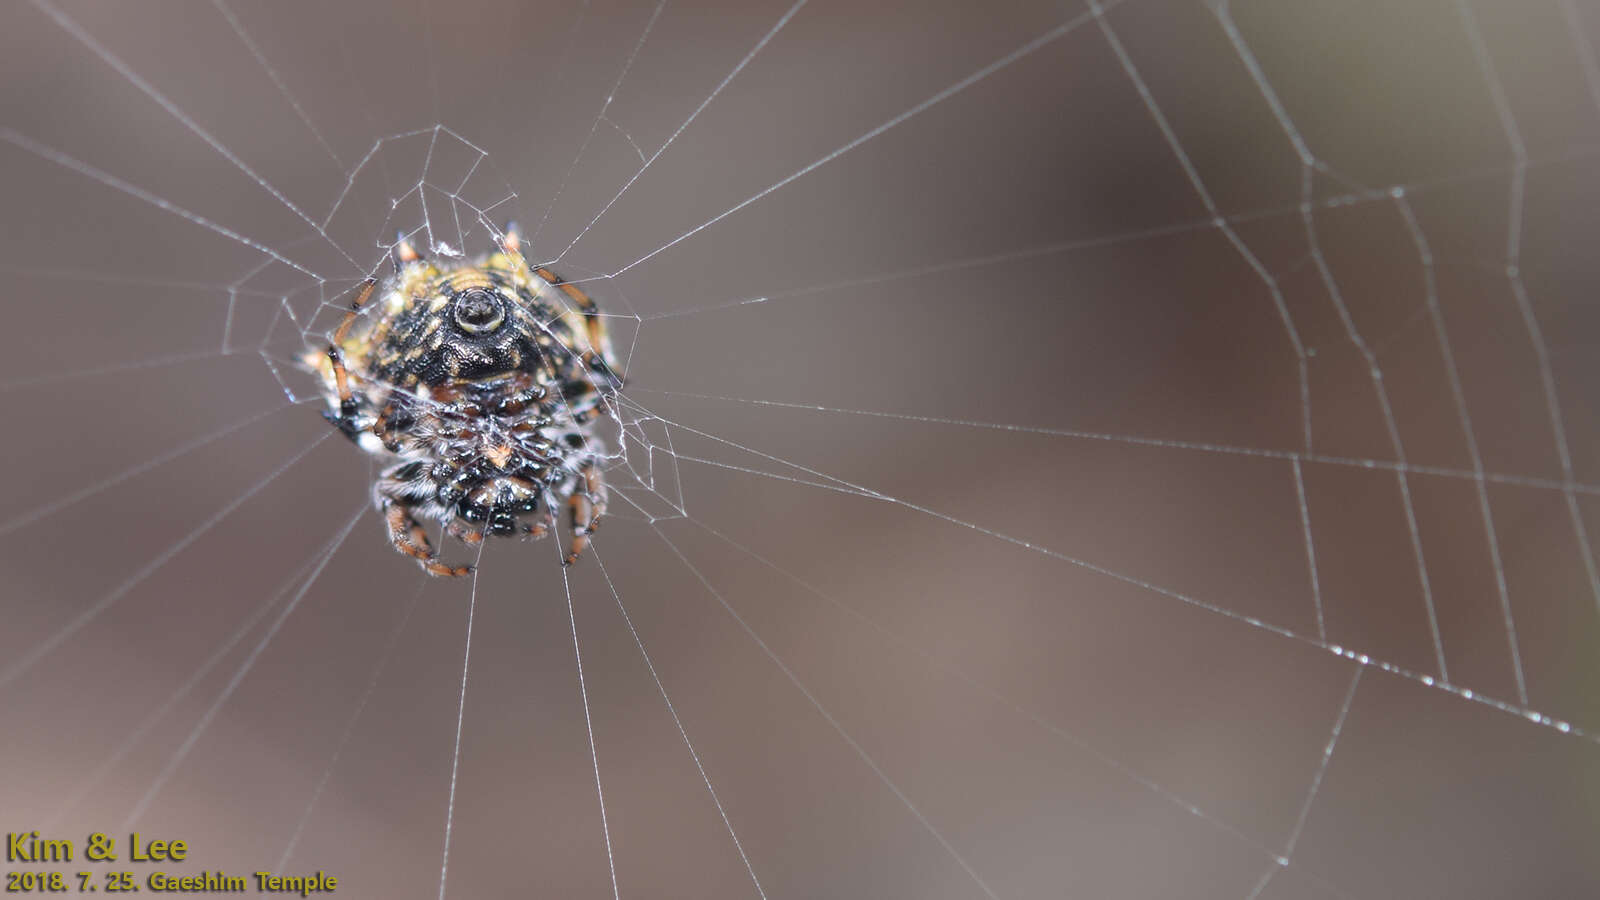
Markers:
point(479, 381)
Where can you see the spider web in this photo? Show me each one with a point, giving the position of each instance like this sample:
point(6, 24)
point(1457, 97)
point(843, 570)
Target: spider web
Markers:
point(1112, 449)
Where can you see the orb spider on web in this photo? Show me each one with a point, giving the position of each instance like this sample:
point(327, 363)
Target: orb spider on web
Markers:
point(479, 383)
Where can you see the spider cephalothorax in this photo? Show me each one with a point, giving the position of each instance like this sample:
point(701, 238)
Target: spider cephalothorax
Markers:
point(479, 381)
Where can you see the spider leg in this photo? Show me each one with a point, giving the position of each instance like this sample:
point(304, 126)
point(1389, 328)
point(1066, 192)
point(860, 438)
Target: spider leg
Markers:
point(380, 426)
point(463, 532)
point(599, 355)
point(345, 421)
point(409, 538)
point(585, 508)
point(403, 251)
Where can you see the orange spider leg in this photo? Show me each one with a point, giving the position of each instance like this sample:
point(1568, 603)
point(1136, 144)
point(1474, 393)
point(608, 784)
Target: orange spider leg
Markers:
point(409, 538)
point(345, 421)
point(380, 426)
point(585, 508)
point(404, 252)
point(594, 323)
point(464, 533)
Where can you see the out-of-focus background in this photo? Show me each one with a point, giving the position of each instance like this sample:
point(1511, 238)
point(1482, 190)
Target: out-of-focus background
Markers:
point(1141, 449)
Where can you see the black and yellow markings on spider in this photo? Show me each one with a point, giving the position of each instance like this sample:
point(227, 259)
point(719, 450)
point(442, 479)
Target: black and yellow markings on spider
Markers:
point(38, 863)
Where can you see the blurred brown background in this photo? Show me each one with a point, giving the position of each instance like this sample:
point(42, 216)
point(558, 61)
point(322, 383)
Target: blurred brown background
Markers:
point(1046, 629)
